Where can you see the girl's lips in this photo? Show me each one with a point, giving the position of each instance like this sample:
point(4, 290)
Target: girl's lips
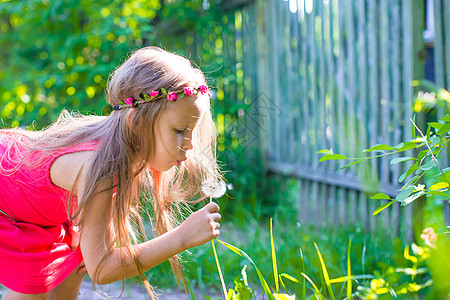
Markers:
point(180, 161)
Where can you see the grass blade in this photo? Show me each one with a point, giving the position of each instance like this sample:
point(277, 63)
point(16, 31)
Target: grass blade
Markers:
point(304, 279)
point(222, 281)
point(190, 289)
point(317, 292)
point(353, 277)
point(274, 259)
point(325, 274)
point(264, 284)
point(349, 272)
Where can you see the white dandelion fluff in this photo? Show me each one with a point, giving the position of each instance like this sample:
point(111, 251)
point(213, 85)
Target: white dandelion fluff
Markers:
point(214, 189)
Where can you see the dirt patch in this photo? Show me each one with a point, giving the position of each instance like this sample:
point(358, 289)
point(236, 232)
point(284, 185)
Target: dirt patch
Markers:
point(131, 292)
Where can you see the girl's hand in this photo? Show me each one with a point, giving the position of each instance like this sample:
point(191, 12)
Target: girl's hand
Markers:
point(200, 227)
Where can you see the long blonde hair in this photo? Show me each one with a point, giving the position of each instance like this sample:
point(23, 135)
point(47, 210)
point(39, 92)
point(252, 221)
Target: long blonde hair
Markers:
point(121, 159)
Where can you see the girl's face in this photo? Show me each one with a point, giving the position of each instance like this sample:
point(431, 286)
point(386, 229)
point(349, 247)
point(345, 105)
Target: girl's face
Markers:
point(173, 132)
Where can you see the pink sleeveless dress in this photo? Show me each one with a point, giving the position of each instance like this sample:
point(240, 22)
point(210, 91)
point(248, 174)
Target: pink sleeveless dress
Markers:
point(35, 251)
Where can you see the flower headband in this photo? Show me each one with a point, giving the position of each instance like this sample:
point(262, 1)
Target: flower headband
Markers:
point(162, 93)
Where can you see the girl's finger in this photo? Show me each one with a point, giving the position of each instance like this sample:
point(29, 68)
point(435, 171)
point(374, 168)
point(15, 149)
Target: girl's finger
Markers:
point(216, 217)
point(212, 207)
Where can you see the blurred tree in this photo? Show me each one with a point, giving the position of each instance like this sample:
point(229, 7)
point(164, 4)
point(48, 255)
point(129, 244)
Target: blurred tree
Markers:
point(57, 54)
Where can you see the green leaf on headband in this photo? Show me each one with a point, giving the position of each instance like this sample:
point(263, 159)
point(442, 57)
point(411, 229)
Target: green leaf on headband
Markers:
point(121, 103)
point(146, 97)
point(182, 95)
point(163, 90)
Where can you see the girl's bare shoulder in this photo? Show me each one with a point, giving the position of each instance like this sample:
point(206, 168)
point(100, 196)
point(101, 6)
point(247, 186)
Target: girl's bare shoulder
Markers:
point(65, 169)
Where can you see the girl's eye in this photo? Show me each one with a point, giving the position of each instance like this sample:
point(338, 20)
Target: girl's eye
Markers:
point(179, 131)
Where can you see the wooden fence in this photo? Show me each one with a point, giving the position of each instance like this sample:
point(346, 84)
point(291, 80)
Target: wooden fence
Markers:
point(313, 75)
point(337, 75)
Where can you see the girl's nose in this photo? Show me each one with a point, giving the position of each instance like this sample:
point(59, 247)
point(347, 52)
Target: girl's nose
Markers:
point(187, 144)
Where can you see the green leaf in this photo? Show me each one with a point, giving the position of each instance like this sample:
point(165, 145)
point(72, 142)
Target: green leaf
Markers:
point(353, 277)
point(436, 125)
point(400, 159)
point(404, 194)
point(283, 296)
point(413, 197)
point(349, 165)
point(325, 274)
point(325, 151)
point(349, 272)
point(332, 157)
point(380, 196)
point(407, 146)
point(287, 276)
point(428, 132)
point(428, 165)
point(163, 90)
point(434, 141)
point(317, 292)
point(121, 103)
point(444, 129)
point(438, 193)
point(445, 118)
point(274, 258)
point(146, 97)
point(380, 208)
point(438, 186)
point(409, 172)
point(380, 147)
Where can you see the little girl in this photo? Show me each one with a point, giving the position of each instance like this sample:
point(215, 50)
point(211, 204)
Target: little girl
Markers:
point(70, 194)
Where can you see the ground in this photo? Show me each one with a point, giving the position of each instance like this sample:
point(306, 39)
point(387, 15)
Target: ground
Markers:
point(131, 292)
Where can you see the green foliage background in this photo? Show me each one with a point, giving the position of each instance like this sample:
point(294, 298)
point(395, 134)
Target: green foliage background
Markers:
point(58, 55)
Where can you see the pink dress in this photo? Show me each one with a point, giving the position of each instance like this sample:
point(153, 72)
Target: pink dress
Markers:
point(35, 252)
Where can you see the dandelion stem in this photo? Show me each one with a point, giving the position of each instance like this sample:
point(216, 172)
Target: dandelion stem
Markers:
point(218, 265)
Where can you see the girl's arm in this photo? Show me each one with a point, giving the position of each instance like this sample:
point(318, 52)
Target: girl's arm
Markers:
point(197, 229)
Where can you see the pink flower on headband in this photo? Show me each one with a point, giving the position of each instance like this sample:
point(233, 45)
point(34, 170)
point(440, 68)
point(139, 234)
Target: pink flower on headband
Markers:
point(129, 101)
point(188, 91)
point(153, 94)
point(171, 96)
point(203, 89)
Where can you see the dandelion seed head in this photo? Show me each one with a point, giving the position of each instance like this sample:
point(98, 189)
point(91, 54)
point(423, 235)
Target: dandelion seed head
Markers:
point(214, 189)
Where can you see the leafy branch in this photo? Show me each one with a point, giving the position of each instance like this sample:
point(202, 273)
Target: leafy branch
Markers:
point(436, 138)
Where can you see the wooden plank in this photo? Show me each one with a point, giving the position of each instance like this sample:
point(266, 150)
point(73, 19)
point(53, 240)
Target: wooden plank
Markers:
point(330, 79)
point(333, 206)
point(262, 75)
point(352, 208)
point(315, 204)
point(291, 17)
point(446, 50)
point(351, 85)
point(397, 119)
point(407, 63)
point(276, 80)
point(304, 58)
point(313, 93)
point(385, 100)
point(364, 210)
point(349, 181)
point(296, 115)
point(340, 100)
point(342, 206)
point(306, 202)
point(438, 44)
point(322, 142)
point(372, 47)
